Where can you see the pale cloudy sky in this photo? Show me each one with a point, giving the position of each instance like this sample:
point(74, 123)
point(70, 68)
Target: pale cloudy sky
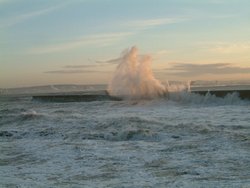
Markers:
point(69, 41)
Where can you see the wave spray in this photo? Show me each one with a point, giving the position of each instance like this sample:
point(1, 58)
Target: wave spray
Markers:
point(134, 78)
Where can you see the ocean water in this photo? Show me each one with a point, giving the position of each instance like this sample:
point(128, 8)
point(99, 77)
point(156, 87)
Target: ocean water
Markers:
point(186, 140)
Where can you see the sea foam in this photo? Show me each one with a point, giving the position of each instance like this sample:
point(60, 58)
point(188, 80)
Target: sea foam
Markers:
point(134, 78)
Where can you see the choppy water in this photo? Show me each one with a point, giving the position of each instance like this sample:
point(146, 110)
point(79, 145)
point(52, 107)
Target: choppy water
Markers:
point(188, 141)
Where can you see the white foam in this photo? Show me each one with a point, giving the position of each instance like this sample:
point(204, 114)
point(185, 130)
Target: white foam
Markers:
point(30, 113)
point(133, 77)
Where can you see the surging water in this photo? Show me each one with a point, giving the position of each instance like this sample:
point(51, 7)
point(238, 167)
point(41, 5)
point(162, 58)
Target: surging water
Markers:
point(133, 77)
point(185, 141)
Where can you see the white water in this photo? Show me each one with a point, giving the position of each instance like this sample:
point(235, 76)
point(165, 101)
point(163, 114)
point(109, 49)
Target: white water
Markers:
point(133, 77)
point(185, 141)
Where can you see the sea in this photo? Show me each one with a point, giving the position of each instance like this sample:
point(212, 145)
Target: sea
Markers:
point(180, 140)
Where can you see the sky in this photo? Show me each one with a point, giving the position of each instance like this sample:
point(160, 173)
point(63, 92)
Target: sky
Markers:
point(46, 42)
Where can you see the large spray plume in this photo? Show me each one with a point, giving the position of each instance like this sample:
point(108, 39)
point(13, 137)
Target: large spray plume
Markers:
point(133, 77)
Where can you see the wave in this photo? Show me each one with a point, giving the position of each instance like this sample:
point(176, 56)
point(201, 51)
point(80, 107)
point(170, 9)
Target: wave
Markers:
point(30, 115)
point(134, 78)
point(207, 99)
point(17, 115)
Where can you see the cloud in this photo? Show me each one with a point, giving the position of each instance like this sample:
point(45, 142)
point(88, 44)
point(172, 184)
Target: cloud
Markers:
point(144, 24)
point(227, 48)
point(74, 71)
point(78, 69)
point(111, 61)
point(30, 15)
point(183, 69)
point(163, 52)
point(94, 64)
point(99, 39)
point(79, 66)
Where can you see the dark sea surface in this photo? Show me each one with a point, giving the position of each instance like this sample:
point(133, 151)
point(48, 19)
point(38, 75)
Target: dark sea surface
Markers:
point(186, 140)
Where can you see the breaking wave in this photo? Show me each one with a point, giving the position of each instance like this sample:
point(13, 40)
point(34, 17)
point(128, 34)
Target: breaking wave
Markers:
point(133, 77)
